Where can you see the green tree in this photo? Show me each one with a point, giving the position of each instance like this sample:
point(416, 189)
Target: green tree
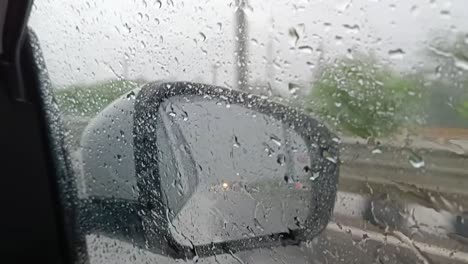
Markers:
point(447, 63)
point(364, 98)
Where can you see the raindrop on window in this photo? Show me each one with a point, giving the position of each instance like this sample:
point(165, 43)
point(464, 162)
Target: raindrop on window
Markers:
point(376, 151)
point(414, 10)
point(203, 36)
point(131, 95)
point(327, 26)
point(314, 176)
point(293, 37)
point(327, 155)
point(445, 13)
point(396, 53)
point(236, 142)
point(461, 63)
point(293, 88)
point(416, 160)
point(281, 159)
point(158, 3)
point(140, 15)
point(352, 28)
point(306, 49)
point(275, 140)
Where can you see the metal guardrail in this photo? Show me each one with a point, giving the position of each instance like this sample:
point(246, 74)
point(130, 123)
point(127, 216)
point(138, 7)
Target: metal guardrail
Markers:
point(443, 171)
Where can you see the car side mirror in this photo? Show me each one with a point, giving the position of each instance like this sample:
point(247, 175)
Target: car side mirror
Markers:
point(222, 171)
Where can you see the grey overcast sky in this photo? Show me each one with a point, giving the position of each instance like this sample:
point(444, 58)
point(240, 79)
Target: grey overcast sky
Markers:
point(87, 41)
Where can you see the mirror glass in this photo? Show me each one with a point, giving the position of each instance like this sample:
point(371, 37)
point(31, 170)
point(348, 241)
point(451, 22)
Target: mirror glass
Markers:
point(229, 172)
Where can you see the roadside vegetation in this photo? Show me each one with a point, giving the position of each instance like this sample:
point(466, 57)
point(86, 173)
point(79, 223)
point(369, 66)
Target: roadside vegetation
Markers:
point(361, 97)
point(448, 80)
point(88, 100)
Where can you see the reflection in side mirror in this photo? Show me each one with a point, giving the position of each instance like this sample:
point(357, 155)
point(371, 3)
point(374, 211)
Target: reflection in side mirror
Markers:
point(230, 171)
point(252, 174)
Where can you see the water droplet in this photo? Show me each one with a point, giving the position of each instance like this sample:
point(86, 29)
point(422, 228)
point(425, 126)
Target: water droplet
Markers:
point(327, 155)
point(306, 49)
point(445, 13)
point(172, 114)
point(414, 10)
point(376, 151)
point(339, 40)
point(327, 26)
point(293, 36)
point(203, 36)
point(411, 245)
point(396, 53)
point(131, 95)
point(140, 15)
point(184, 115)
point(268, 149)
point(416, 161)
point(460, 63)
point(129, 29)
point(314, 176)
point(281, 159)
point(293, 88)
point(158, 3)
point(337, 140)
point(275, 140)
point(310, 64)
point(352, 28)
point(236, 142)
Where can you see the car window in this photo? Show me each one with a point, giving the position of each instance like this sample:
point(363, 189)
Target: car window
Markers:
point(389, 79)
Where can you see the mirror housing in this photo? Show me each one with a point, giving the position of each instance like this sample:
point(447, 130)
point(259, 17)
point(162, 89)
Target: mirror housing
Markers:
point(315, 135)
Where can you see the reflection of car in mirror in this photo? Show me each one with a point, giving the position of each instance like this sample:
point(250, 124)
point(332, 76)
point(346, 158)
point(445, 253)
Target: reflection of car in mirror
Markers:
point(218, 170)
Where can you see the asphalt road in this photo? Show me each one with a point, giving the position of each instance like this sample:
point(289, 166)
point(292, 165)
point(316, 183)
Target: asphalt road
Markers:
point(347, 239)
point(337, 244)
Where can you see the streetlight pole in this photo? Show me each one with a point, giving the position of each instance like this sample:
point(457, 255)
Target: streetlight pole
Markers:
point(241, 40)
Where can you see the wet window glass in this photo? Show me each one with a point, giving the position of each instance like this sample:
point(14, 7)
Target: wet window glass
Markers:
point(249, 131)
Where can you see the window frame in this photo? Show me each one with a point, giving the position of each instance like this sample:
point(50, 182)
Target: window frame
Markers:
point(36, 228)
